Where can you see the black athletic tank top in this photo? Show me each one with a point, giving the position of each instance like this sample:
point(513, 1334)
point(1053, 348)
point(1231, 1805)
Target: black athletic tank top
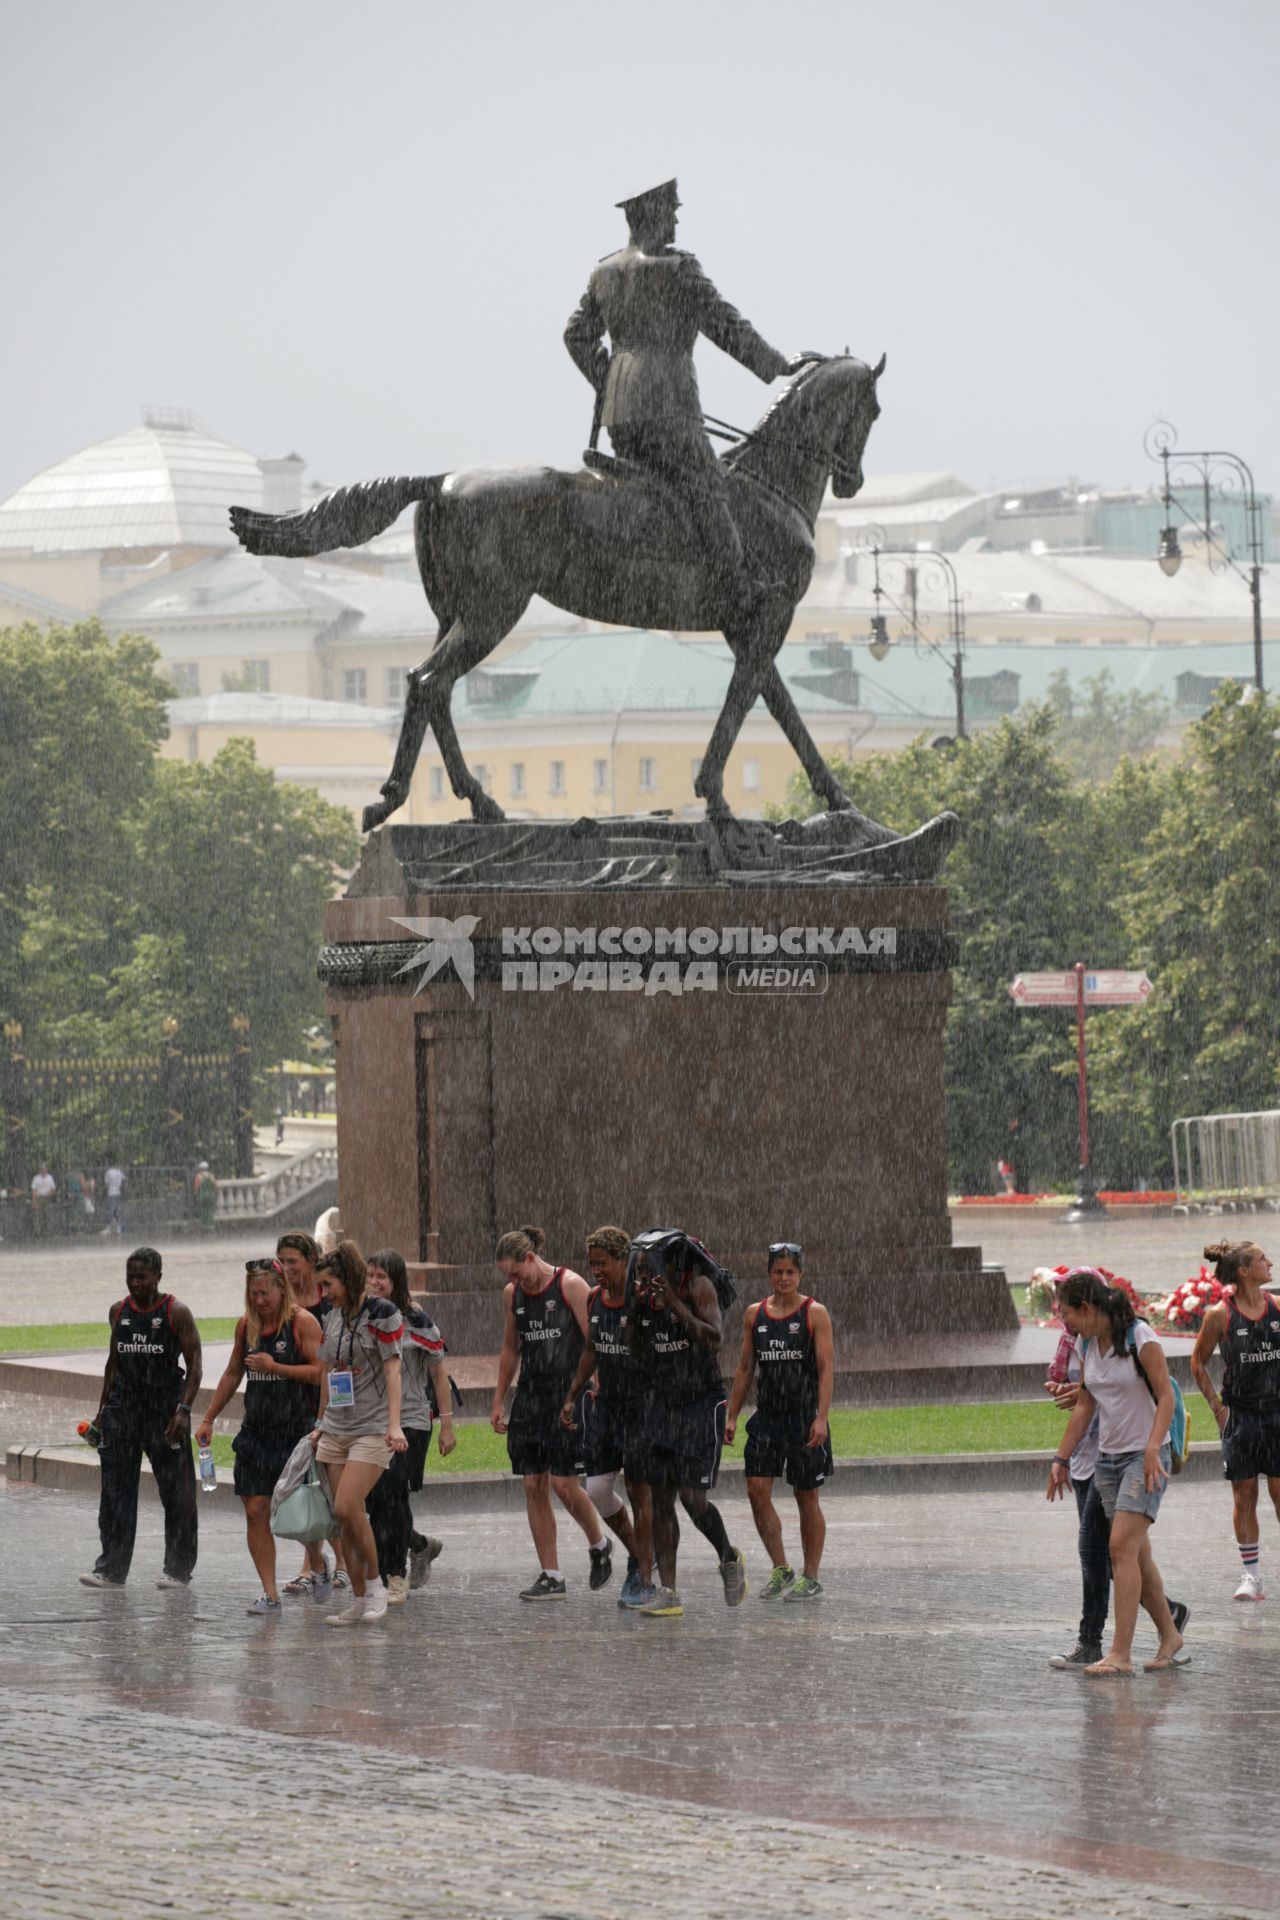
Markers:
point(786, 1364)
point(607, 1326)
point(149, 1377)
point(1250, 1351)
point(271, 1401)
point(675, 1368)
point(550, 1343)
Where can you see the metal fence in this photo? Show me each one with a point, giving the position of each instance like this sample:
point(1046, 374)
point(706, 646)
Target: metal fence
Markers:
point(1227, 1159)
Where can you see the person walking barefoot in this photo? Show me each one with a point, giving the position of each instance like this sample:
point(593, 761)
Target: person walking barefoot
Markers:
point(787, 1348)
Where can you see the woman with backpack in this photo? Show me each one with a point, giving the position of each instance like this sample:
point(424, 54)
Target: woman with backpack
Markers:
point(1125, 1379)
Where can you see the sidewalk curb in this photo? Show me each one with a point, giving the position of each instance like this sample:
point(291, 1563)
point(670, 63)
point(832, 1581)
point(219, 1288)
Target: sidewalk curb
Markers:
point(72, 1470)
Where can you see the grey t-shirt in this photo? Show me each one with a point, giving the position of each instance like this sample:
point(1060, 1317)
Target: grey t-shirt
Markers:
point(363, 1347)
point(423, 1345)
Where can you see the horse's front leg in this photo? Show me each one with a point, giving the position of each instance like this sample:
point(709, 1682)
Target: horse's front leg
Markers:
point(821, 778)
point(752, 664)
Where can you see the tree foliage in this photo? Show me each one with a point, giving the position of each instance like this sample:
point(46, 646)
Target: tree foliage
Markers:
point(136, 889)
point(1173, 867)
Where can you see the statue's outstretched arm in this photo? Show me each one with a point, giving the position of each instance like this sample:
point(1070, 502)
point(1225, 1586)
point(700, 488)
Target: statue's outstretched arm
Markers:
point(584, 337)
point(725, 327)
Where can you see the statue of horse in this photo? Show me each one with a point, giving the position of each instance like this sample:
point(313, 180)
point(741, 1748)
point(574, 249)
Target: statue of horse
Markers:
point(611, 543)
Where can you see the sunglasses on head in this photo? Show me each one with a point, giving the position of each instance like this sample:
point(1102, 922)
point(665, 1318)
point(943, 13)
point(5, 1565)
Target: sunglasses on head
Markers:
point(790, 1248)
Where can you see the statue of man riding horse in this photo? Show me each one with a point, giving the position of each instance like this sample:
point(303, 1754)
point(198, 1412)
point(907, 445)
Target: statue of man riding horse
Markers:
point(664, 534)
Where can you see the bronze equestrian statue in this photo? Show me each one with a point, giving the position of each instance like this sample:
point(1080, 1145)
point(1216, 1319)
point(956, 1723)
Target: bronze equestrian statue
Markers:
point(665, 535)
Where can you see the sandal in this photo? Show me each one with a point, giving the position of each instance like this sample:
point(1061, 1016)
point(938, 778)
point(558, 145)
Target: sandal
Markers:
point(303, 1584)
point(1163, 1663)
point(1105, 1670)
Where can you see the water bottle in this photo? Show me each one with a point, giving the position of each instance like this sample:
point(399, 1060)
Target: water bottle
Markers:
point(208, 1472)
point(90, 1432)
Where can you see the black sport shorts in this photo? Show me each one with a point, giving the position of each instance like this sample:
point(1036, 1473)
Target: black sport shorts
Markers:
point(1251, 1444)
point(677, 1445)
point(261, 1453)
point(537, 1443)
point(777, 1443)
point(605, 1426)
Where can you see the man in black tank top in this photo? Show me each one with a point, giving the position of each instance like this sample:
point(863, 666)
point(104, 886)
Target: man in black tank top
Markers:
point(1245, 1328)
point(145, 1407)
point(544, 1327)
point(787, 1349)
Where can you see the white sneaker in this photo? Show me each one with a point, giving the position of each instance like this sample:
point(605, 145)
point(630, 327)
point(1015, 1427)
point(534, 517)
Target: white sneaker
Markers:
point(376, 1600)
point(397, 1590)
point(1250, 1588)
point(350, 1616)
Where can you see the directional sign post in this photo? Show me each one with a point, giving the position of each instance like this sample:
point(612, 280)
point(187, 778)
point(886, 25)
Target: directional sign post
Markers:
point(1079, 988)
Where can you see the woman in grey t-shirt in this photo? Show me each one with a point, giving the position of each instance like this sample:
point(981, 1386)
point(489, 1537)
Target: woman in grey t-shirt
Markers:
point(359, 1425)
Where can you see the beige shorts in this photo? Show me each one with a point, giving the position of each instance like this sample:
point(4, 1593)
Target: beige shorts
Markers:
point(368, 1449)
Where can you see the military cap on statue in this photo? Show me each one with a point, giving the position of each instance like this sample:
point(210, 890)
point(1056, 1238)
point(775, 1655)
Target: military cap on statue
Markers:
point(650, 200)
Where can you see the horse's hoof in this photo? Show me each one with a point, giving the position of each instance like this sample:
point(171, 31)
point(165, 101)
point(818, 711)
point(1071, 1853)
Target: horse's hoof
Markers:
point(484, 808)
point(374, 816)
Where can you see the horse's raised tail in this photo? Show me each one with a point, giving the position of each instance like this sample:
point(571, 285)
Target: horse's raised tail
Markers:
point(347, 517)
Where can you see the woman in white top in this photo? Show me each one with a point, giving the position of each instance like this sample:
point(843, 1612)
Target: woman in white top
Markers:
point(1126, 1381)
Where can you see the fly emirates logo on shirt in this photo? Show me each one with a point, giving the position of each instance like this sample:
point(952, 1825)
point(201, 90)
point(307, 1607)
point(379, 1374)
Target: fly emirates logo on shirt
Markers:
point(139, 1340)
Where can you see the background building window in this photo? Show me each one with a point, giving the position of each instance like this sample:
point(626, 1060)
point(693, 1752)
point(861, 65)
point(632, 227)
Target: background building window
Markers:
point(751, 775)
point(397, 685)
point(257, 676)
point(517, 778)
point(648, 776)
point(355, 685)
point(437, 783)
point(557, 776)
point(599, 776)
point(185, 676)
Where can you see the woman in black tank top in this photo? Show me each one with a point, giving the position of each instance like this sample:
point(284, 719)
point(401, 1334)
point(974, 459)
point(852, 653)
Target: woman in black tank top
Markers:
point(1245, 1327)
point(277, 1343)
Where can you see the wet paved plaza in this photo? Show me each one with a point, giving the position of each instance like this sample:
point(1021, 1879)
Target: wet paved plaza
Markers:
point(903, 1747)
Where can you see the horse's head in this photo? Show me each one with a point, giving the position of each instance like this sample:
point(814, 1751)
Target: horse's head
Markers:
point(858, 384)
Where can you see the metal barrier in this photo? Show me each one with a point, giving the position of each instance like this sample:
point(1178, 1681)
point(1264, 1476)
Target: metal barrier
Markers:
point(1227, 1160)
point(268, 1192)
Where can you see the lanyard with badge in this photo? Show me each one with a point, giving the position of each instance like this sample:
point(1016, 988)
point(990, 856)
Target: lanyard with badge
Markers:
point(342, 1390)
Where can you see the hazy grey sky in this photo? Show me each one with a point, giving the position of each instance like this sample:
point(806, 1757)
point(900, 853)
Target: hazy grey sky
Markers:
point(357, 230)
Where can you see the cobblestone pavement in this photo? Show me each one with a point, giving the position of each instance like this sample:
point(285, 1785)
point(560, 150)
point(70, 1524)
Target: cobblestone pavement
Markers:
point(901, 1747)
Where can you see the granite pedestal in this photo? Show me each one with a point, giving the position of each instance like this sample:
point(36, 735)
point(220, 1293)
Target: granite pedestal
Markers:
point(752, 1053)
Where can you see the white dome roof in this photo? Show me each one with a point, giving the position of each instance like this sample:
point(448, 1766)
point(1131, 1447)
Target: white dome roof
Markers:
point(167, 483)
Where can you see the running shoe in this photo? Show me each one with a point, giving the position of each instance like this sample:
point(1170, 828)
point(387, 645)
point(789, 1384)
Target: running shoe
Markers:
point(265, 1604)
point(545, 1588)
point(601, 1559)
point(376, 1601)
point(804, 1588)
point(1080, 1655)
point(96, 1579)
point(1181, 1613)
point(171, 1580)
point(421, 1560)
point(776, 1585)
point(663, 1604)
point(1250, 1588)
point(350, 1616)
point(397, 1590)
point(733, 1572)
point(634, 1592)
point(304, 1583)
point(321, 1585)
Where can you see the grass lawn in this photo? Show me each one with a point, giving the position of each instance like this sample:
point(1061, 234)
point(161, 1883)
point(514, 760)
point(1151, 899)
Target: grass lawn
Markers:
point(1015, 1426)
point(83, 1336)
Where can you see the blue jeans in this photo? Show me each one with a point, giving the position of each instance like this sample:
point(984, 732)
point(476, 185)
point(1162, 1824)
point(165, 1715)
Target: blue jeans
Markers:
point(1093, 1543)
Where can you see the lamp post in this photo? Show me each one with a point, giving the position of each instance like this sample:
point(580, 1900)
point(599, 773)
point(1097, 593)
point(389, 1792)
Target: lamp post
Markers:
point(1202, 469)
point(921, 568)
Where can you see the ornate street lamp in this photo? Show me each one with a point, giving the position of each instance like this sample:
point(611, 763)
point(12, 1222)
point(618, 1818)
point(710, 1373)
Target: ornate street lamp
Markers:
point(925, 567)
point(1204, 469)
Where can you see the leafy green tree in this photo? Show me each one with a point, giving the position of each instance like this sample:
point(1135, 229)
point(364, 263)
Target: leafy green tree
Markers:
point(1036, 882)
point(1201, 914)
